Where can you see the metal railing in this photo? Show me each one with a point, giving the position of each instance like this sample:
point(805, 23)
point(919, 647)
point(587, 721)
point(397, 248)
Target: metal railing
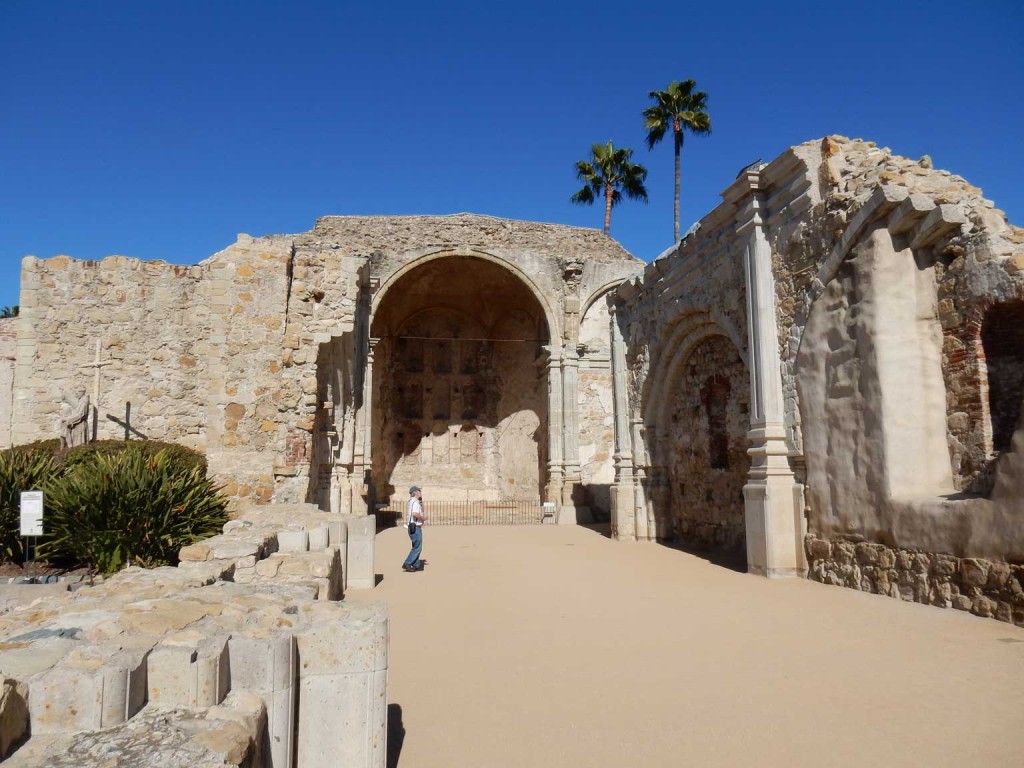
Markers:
point(506, 512)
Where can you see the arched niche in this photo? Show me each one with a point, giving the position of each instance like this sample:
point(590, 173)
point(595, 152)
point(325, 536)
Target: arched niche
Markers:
point(459, 401)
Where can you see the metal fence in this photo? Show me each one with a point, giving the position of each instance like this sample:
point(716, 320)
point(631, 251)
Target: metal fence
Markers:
point(507, 512)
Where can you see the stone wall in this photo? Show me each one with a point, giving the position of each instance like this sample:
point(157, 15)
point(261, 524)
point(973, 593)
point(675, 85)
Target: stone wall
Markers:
point(897, 293)
point(991, 589)
point(153, 331)
point(259, 355)
point(706, 447)
point(8, 348)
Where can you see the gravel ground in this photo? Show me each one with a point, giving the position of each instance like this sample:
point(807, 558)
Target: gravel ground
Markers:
point(542, 646)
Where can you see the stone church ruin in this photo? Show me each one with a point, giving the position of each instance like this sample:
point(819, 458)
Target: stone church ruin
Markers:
point(825, 375)
point(824, 378)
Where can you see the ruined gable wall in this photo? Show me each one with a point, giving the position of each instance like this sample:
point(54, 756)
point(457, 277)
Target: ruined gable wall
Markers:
point(8, 347)
point(153, 336)
point(959, 259)
point(888, 347)
point(541, 252)
point(951, 228)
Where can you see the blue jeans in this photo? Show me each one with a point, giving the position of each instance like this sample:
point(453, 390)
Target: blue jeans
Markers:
point(417, 546)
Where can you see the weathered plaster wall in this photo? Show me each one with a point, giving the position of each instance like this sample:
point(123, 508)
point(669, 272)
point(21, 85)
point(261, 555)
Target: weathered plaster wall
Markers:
point(8, 347)
point(895, 284)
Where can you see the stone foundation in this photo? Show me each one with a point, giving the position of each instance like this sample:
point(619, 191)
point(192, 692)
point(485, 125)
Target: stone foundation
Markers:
point(243, 655)
point(989, 589)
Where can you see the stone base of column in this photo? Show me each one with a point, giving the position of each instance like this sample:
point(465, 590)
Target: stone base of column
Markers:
point(773, 508)
point(624, 513)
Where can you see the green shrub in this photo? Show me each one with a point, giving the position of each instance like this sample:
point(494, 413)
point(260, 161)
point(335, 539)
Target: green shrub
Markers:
point(24, 470)
point(179, 454)
point(108, 508)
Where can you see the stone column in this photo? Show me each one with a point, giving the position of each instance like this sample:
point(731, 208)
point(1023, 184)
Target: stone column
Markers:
point(553, 492)
point(624, 509)
point(367, 435)
point(570, 428)
point(772, 497)
point(644, 525)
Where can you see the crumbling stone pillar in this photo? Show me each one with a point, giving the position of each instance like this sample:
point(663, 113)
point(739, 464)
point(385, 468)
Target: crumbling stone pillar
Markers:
point(553, 492)
point(570, 429)
point(625, 511)
point(772, 498)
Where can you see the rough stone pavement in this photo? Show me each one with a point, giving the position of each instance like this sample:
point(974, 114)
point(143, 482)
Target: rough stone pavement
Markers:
point(554, 646)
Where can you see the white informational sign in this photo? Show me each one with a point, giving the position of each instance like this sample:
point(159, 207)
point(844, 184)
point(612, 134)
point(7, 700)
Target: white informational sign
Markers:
point(31, 513)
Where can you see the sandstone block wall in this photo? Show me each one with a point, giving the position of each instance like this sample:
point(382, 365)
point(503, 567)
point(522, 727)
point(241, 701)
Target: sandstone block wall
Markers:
point(153, 334)
point(8, 347)
point(258, 355)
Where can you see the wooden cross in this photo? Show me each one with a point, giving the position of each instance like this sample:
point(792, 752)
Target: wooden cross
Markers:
point(96, 388)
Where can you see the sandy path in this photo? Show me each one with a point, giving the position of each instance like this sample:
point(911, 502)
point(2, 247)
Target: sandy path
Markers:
point(554, 646)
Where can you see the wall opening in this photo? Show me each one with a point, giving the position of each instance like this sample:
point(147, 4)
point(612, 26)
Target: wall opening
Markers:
point(702, 445)
point(1002, 339)
point(715, 397)
point(460, 400)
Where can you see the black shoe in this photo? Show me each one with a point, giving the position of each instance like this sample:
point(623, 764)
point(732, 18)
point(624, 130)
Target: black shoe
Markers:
point(409, 568)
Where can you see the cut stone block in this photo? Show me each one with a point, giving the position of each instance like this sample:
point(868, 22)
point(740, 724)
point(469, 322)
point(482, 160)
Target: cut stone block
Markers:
point(189, 669)
point(319, 538)
point(343, 659)
point(268, 667)
point(13, 714)
point(293, 541)
point(361, 550)
point(100, 688)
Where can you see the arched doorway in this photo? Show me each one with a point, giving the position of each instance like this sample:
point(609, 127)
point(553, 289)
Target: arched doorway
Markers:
point(460, 399)
point(701, 447)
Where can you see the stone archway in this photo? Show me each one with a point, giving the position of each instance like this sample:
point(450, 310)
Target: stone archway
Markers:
point(459, 401)
point(701, 449)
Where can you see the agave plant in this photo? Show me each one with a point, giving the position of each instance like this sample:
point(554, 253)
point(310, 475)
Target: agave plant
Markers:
point(133, 506)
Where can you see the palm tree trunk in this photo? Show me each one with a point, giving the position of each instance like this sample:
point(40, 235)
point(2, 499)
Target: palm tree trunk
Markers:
point(678, 135)
point(607, 209)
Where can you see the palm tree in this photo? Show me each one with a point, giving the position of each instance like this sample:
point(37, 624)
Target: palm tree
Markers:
point(9, 312)
point(609, 173)
point(680, 108)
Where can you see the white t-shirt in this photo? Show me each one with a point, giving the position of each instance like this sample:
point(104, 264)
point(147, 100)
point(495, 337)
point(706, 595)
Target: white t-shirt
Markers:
point(415, 508)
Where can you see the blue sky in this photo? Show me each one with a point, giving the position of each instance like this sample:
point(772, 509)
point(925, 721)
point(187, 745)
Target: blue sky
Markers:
point(160, 130)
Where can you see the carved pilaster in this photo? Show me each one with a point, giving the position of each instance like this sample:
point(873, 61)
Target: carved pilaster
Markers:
point(623, 497)
point(553, 366)
point(772, 497)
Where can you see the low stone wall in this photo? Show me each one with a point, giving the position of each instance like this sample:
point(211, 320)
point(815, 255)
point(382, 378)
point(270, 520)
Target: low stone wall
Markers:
point(242, 655)
point(985, 588)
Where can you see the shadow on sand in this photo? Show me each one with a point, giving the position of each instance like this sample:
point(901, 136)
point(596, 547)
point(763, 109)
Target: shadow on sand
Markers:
point(396, 734)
